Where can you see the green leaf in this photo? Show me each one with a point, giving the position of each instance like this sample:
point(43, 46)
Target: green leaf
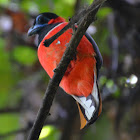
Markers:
point(6, 79)
point(64, 8)
point(29, 6)
point(122, 80)
point(89, 1)
point(49, 133)
point(103, 12)
point(110, 84)
point(4, 2)
point(117, 94)
point(101, 37)
point(103, 80)
point(25, 55)
point(46, 131)
point(8, 123)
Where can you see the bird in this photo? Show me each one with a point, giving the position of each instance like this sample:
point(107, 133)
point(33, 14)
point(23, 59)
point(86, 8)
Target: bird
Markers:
point(80, 78)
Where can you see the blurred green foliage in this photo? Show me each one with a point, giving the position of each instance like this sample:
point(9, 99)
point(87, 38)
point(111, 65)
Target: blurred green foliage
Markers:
point(101, 130)
point(63, 8)
point(49, 133)
point(103, 12)
point(8, 122)
point(6, 80)
point(4, 2)
point(25, 55)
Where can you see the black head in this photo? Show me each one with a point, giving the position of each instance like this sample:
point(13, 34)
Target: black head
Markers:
point(42, 20)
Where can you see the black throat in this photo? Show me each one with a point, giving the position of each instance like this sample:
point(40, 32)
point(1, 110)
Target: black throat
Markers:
point(44, 31)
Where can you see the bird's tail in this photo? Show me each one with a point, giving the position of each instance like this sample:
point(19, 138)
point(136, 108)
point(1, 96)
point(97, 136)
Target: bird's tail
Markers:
point(90, 107)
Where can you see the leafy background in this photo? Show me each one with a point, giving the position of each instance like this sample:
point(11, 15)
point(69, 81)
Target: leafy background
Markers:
point(23, 81)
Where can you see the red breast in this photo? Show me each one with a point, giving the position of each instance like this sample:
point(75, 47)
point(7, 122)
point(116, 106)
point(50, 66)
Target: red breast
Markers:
point(80, 69)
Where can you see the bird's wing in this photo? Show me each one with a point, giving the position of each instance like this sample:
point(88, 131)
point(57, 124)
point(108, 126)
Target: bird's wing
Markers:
point(98, 56)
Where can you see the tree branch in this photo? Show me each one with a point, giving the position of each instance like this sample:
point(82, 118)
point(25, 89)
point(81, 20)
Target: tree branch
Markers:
point(60, 70)
point(75, 19)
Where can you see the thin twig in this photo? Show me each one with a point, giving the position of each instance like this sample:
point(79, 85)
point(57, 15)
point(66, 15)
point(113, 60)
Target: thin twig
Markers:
point(60, 71)
point(10, 110)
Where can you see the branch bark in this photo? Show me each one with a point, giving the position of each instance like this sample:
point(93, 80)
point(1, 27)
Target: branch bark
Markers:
point(75, 20)
point(87, 19)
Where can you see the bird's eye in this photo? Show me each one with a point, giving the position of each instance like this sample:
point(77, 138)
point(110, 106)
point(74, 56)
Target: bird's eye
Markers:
point(42, 20)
